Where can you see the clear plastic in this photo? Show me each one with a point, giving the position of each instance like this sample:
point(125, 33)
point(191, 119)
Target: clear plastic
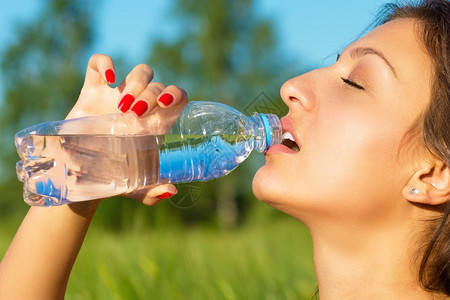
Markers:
point(102, 156)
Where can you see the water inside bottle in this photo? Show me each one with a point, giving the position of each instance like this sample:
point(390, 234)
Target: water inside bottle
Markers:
point(83, 167)
point(186, 158)
point(58, 169)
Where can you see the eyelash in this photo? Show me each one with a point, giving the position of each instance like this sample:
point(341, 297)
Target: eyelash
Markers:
point(352, 84)
point(348, 81)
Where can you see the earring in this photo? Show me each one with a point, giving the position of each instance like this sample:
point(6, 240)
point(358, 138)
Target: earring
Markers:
point(414, 191)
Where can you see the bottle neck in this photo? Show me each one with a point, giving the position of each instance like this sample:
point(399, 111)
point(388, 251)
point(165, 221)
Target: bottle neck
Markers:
point(266, 129)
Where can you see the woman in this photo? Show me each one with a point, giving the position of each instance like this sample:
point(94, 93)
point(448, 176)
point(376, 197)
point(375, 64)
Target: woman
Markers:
point(372, 177)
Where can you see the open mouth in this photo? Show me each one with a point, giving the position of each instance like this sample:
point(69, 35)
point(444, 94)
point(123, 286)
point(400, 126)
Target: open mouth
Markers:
point(288, 141)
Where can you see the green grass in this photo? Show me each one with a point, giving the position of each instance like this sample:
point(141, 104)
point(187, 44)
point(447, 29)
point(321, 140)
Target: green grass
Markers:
point(267, 258)
point(273, 261)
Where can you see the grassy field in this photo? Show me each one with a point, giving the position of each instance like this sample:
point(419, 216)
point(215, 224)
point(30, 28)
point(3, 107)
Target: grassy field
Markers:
point(259, 260)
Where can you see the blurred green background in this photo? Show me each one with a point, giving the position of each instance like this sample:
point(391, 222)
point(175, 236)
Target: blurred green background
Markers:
point(213, 240)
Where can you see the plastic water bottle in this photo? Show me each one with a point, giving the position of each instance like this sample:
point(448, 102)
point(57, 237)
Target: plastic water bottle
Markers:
point(102, 156)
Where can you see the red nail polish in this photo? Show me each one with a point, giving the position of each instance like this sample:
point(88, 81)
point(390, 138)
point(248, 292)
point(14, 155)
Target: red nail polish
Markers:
point(126, 102)
point(110, 76)
point(165, 195)
point(140, 108)
point(166, 99)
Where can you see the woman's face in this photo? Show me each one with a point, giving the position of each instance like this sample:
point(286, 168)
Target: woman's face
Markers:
point(349, 120)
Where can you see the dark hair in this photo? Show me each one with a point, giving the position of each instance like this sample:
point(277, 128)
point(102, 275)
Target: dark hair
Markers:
point(433, 18)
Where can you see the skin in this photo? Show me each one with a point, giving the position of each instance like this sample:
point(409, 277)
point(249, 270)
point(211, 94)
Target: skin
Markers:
point(350, 186)
point(354, 172)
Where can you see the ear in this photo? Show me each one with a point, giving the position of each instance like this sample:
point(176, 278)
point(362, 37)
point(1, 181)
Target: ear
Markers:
point(430, 184)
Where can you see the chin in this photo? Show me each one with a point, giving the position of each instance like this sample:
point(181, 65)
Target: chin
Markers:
point(265, 186)
point(272, 193)
point(258, 190)
point(271, 188)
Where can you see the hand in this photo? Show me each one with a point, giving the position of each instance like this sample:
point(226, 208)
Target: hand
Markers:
point(136, 93)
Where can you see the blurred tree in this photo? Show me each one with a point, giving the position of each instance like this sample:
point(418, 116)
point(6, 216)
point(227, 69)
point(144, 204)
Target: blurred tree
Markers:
point(224, 51)
point(43, 72)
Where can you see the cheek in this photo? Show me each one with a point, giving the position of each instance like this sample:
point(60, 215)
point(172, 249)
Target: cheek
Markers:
point(355, 156)
point(338, 166)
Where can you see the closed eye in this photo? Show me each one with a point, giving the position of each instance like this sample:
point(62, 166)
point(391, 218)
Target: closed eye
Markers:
point(352, 84)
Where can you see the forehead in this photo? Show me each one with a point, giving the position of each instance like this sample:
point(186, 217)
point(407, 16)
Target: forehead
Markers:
point(400, 43)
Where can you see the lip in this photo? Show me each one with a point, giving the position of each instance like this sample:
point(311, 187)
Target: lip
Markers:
point(286, 125)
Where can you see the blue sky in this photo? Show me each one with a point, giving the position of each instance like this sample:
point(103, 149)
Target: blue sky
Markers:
point(307, 30)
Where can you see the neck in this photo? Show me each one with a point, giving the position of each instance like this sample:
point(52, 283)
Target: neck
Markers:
point(354, 265)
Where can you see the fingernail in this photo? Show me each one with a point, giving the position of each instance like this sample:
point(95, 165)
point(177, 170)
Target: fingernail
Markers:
point(126, 102)
point(165, 195)
point(166, 99)
point(140, 108)
point(110, 76)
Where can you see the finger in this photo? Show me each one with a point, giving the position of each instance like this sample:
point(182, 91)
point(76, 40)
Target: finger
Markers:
point(146, 100)
point(100, 70)
point(133, 85)
point(172, 96)
point(155, 195)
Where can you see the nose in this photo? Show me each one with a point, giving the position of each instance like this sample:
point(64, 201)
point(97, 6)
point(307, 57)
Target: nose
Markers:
point(297, 92)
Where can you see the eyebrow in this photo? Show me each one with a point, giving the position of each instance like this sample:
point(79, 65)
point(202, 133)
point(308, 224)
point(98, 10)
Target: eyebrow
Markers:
point(361, 51)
